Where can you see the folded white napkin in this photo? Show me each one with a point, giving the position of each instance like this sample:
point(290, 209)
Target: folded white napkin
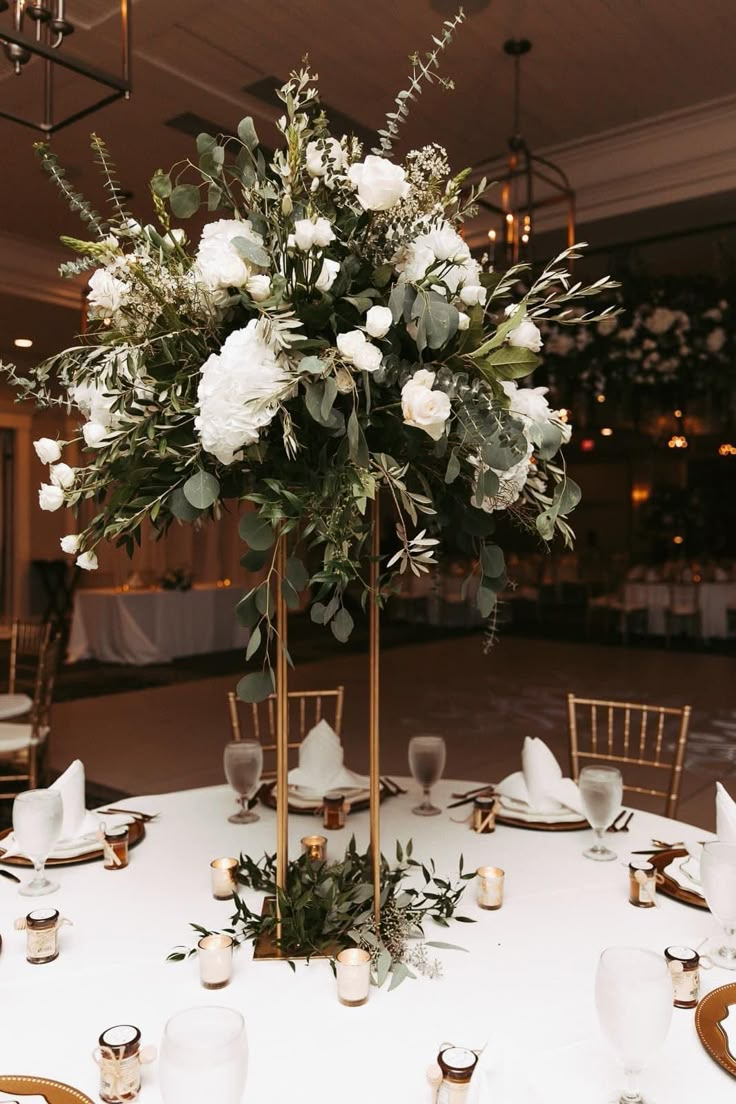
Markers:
point(686, 872)
point(539, 784)
point(71, 786)
point(321, 766)
point(725, 815)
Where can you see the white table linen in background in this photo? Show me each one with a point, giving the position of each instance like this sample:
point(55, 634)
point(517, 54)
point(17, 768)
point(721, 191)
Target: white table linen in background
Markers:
point(526, 984)
point(154, 626)
point(714, 600)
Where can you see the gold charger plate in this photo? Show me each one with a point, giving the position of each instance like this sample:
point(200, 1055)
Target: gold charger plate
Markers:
point(669, 886)
point(268, 796)
point(53, 1091)
point(136, 832)
point(710, 1013)
point(541, 825)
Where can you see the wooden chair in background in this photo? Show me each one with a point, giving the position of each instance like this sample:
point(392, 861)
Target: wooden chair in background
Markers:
point(24, 744)
point(29, 641)
point(650, 738)
point(306, 709)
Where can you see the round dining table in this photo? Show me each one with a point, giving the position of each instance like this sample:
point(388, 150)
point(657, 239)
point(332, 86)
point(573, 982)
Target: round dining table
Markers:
point(521, 984)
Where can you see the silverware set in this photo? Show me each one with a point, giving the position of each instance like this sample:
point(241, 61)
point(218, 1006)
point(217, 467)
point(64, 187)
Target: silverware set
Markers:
point(622, 822)
point(145, 817)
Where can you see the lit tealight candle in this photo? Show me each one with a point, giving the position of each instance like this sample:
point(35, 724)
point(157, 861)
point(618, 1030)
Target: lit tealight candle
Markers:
point(353, 968)
point(490, 887)
point(215, 954)
point(224, 883)
point(315, 848)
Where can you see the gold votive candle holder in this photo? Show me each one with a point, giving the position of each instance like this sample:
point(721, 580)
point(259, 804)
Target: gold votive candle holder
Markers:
point(315, 848)
point(224, 880)
point(333, 805)
point(642, 884)
point(215, 955)
point(353, 968)
point(684, 967)
point(483, 819)
point(489, 887)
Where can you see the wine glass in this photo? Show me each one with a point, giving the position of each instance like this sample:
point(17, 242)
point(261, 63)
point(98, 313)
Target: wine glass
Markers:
point(243, 766)
point(204, 1057)
point(37, 819)
point(601, 790)
point(718, 875)
point(633, 996)
point(427, 756)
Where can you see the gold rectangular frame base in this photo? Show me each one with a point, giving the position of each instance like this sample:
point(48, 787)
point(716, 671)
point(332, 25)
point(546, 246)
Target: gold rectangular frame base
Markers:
point(265, 949)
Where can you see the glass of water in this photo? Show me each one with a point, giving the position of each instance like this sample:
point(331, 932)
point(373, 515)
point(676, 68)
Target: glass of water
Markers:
point(37, 819)
point(427, 756)
point(243, 763)
point(718, 875)
point(204, 1057)
point(601, 790)
point(633, 997)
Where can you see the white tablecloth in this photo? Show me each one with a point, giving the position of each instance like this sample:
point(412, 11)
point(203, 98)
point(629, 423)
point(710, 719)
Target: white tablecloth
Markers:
point(714, 600)
point(526, 986)
point(154, 626)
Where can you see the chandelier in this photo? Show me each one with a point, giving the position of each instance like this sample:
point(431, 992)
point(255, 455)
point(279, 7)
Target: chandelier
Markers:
point(530, 183)
point(36, 29)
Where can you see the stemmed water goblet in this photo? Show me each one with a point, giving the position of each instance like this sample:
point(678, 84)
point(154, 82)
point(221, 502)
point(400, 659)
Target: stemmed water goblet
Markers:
point(243, 761)
point(204, 1057)
point(633, 996)
point(718, 876)
point(601, 790)
point(427, 756)
point(38, 816)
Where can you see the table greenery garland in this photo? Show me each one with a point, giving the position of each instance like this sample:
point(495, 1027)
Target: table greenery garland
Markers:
point(329, 336)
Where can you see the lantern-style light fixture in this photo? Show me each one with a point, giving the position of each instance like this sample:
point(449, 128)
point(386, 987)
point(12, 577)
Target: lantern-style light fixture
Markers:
point(33, 30)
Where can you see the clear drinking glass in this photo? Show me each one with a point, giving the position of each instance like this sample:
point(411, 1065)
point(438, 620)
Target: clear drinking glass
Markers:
point(243, 768)
point(601, 790)
point(427, 756)
point(204, 1057)
point(718, 875)
point(37, 819)
point(633, 996)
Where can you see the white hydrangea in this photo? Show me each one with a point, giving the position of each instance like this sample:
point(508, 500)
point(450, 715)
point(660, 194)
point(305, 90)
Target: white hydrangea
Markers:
point(218, 265)
point(441, 247)
point(239, 392)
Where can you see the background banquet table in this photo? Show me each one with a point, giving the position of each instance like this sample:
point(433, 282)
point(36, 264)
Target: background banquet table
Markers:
point(153, 625)
point(526, 985)
point(714, 601)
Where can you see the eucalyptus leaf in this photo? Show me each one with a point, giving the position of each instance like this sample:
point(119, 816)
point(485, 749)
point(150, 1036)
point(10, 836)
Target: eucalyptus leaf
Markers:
point(161, 184)
point(254, 643)
point(296, 573)
point(342, 625)
point(254, 559)
point(255, 687)
point(202, 489)
point(185, 200)
point(181, 507)
point(453, 467)
point(492, 560)
point(251, 251)
point(247, 133)
point(486, 600)
point(256, 531)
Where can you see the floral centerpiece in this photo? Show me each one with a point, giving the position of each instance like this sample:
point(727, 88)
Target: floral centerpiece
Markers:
point(327, 336)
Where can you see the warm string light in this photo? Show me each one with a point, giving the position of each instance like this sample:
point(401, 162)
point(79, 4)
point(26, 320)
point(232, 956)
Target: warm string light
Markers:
point(726, 449)
point(600, 398)
point(678, 539)
point(679, 441)
point(606, 432)
point(23, 342)
point(640, 493)
point(587, 444)
point(564, 415)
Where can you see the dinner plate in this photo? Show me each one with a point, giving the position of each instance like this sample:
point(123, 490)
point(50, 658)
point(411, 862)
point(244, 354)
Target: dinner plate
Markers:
point(51, 1091)
point(309, 806)
point(668, 886)
point(136, 832)
point(538, 822)
point(710, 1015)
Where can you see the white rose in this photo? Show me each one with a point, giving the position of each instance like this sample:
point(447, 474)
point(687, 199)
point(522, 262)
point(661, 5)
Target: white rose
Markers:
point(368, 358)
point(47, 451)
point(258, 287)
point(308, 234)
point(70, 544)
point(473, 295)
point(327, 275)
point(325, 156)
point(218, 264)
point(174, 238)
point(424, 408)
point(422, 378)
point(351, 343)
point(106, 292)
point(463, 320)
point(526, 336)
point(50, 497)
point(446, 244)
point(378, 321)
point(528, 402)
point(380, 183)
point(87, 561)
point(95, 434)
point(323, 233)
point(62, 476)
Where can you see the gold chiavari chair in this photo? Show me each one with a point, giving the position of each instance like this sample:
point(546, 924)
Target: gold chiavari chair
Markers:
point(23, 745)
point(651, 738)
point(29, 641)
point(306, 709)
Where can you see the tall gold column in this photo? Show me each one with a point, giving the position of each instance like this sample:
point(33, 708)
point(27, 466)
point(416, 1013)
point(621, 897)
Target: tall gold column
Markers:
point(374, 706)
point(282, 729)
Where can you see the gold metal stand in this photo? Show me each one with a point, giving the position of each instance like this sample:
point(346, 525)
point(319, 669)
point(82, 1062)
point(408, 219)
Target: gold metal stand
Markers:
point(374, 708)
point(282, 729)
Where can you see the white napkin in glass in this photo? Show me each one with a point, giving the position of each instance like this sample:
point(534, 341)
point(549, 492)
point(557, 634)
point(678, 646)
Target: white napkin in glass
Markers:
point(539, 785)
point(725, 815)
point(321, 767)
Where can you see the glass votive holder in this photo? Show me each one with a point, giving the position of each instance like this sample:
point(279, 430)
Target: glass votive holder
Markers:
point(484, 815)
point(353, 968)
point(116, 848)
point(215, 954)
point(224, 881)
point(334, 810)
point(642, 884)
point(684, 967)
point(119, 1056)
point(489, 887)
point(315, 848)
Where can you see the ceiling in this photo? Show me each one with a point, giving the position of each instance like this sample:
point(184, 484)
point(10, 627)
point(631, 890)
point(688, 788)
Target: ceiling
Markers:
point(595, 65)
